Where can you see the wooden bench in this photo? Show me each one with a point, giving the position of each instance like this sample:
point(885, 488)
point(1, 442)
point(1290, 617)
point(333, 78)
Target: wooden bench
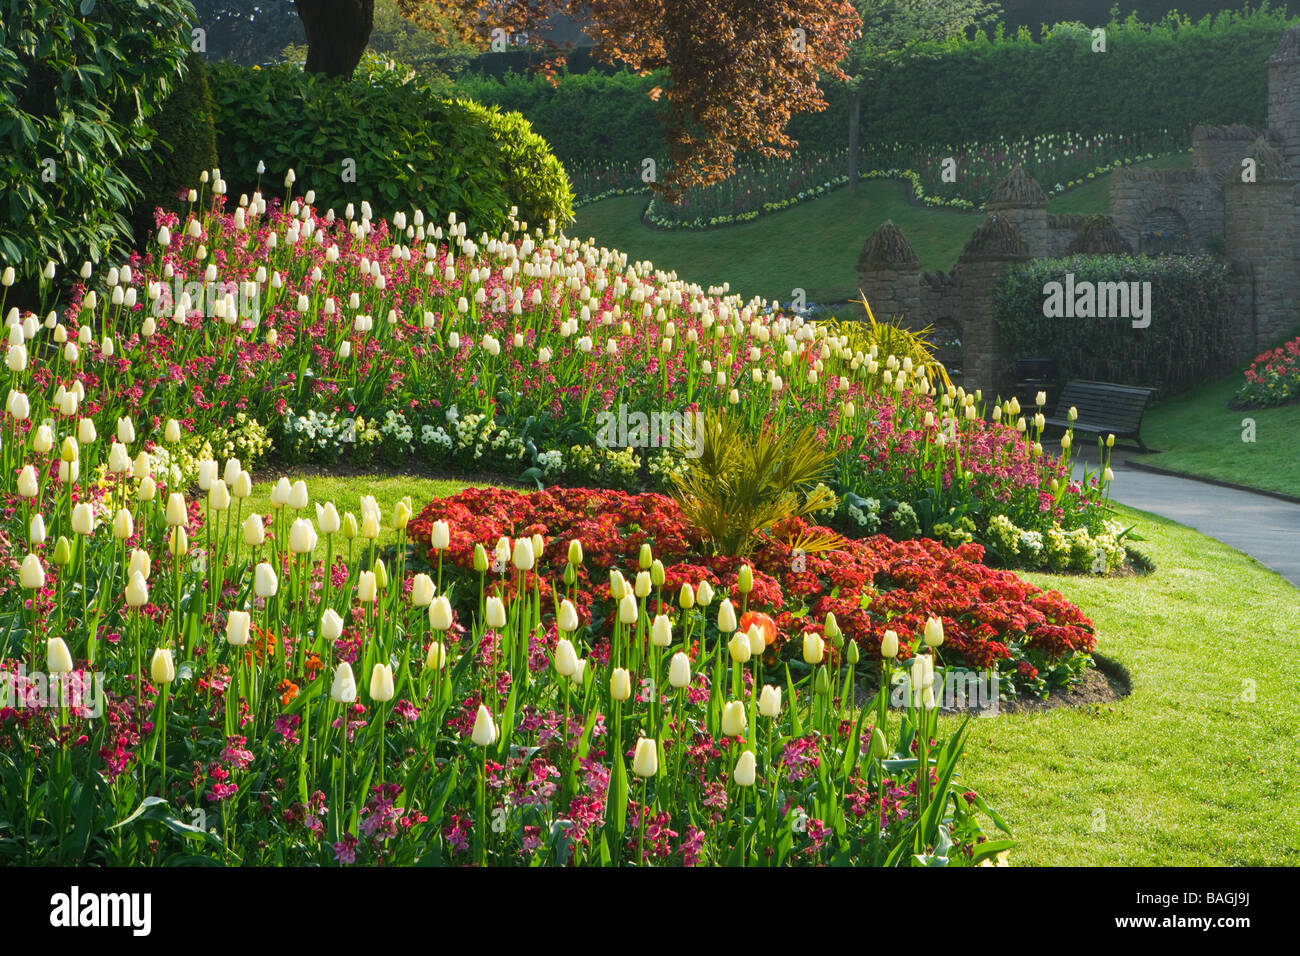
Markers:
point(1104, 408)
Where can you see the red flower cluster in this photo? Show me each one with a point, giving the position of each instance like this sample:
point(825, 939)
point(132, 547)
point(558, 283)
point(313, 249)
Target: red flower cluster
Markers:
point(872, 585)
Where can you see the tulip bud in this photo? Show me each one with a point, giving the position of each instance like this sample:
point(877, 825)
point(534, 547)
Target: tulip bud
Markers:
point(436, 658)
point(823, 684)
point(137, 590)
point(123, 525)
point(769, 701)
point(726, 616)
point(179, 543)
point(327, 516)
point(495, 613)
point(254, 531)
point(934, 632)
point(485, 731)
point(297, 498)
point(367, 587)
point(172, 432)
point(832, 627)
point(661, 632)
point(566, 659)
point(679, 670)
point(207, 473)
point(567, 620)
point(617, 586)
point(620, 684)
point(381, 683)
point(539, 546)
point(83, 519)
point(440, 613)
point(139, 563)
point(344, 688)
point(878, 747)
point(69, 451)
point(161, 668)
point(757, 640)
point(36, 529)
point(441, 538)
point(350, 526)
point(645, 761)
point(480, 559)
point(704, 595)
point(331, 625)
point(232, 471)
point(119, 463)
point(745, 579)
point(237, 627)
point(627, 609)
point(575, 552)
point(401, 515)
point(734, 721)
point(813, 648)
point(641, 587)
point(265, 581)
point(645, 557)
point(523, 554)
point(302, 536)
point(176, 511)
point(738, 647)
point(219, 496)
point(853, 655)
point(28, 486)
point(422, 591)
point(370, 527)
point(745, 771)
point(31, 574)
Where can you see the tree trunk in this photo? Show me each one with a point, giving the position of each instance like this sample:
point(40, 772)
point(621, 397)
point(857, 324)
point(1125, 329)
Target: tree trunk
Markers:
point(337, 34)
point(855, 121)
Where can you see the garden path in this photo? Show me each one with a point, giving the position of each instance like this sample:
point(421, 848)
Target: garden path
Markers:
point(1267, 529)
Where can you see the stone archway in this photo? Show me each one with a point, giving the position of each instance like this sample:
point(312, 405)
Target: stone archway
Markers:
point(1164, 232)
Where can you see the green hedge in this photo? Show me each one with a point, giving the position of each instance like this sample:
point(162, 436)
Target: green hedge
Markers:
point(76, 94)
point(1172, 75)
point(186, 145)
point(1188, 336)
point(411, 149)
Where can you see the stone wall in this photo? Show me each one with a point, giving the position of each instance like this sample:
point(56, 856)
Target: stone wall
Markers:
point(1262, 232)
point(1136, 195)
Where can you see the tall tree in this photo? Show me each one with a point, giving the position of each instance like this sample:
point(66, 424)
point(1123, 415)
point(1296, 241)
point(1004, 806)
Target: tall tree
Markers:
point(894, 31)
point(737, 70)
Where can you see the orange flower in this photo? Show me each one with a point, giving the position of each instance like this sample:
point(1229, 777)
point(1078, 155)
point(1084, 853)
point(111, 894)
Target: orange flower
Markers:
point(288, 691)
point(764, 622)
point(313, 664)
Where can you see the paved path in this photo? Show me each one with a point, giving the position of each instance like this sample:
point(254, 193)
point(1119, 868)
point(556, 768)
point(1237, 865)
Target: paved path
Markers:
point(1267, 529)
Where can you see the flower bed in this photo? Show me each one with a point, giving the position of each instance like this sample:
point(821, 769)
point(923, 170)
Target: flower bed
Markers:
point(991, 618)
point(1273, 378)
point(531, 354)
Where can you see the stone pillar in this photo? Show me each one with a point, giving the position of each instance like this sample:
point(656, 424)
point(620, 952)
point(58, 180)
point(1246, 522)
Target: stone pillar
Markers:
point(989, 364)
point(889, 275)
point(1262, 229)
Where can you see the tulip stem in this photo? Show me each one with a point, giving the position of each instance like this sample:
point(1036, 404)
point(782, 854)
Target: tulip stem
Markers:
point(645, 812)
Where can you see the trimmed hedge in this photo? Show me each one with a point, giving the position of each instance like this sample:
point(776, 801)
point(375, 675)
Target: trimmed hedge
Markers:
point(186, 145)
point(1188, 336)
point(1172, 75)
point(411, 149)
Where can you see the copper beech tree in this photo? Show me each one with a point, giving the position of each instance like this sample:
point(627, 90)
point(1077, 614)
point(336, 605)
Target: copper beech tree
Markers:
point(736, 70)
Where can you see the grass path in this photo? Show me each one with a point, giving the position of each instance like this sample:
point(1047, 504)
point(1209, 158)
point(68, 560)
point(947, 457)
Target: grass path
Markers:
point(1199, 435)
point(813, 246)
point(1185, 770)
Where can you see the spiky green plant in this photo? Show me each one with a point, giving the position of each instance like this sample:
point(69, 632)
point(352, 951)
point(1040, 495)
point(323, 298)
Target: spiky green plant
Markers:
point(741, 483)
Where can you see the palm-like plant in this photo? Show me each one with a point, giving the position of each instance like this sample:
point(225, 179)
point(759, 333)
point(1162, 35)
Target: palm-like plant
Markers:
point(741, 484)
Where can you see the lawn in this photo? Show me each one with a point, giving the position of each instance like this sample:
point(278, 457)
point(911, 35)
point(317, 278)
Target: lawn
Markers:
point(1187, 770)
point(813, 246)
point(1199, 435)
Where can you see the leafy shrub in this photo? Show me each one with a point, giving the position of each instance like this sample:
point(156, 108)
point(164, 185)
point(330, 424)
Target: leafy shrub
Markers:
point(410, 148)
point(1273, 378)
point(77, 90)
point(734, 484)
point(186, 145)
point(1189, 322)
